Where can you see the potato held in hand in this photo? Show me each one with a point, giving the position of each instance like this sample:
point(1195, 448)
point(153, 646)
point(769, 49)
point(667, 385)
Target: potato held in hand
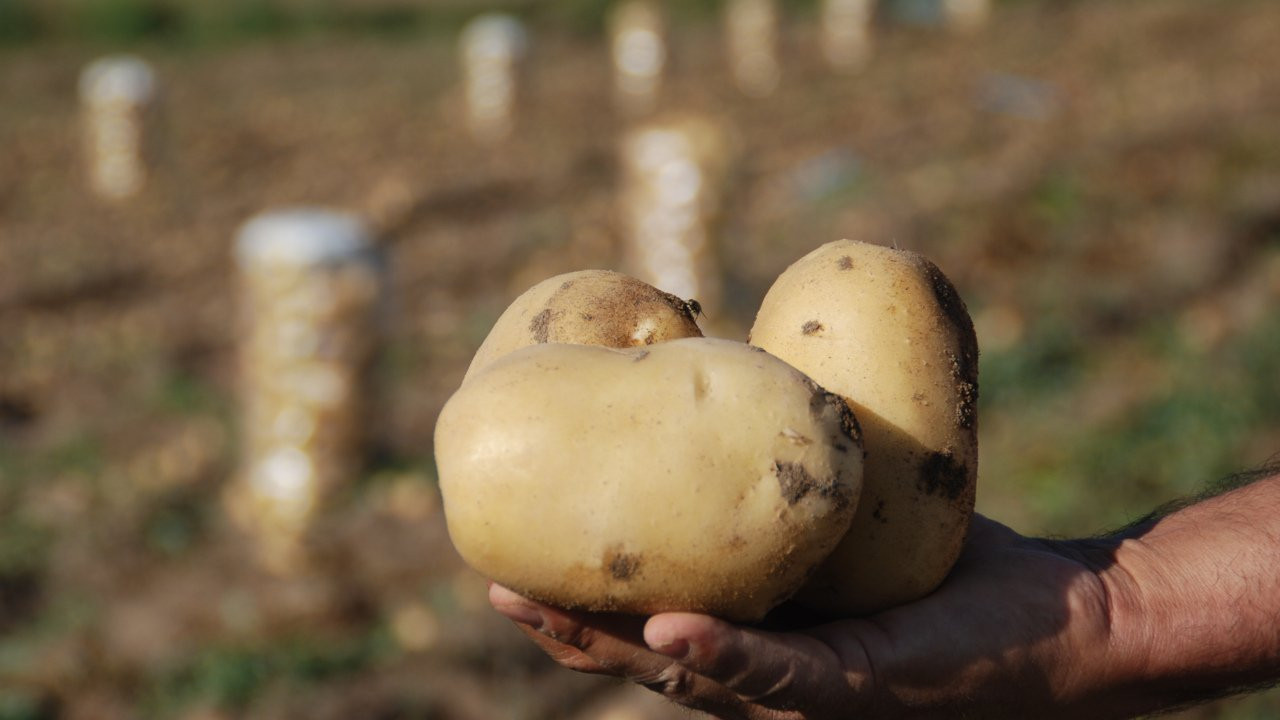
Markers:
point(699, 475)
point(588, 307)
point(886, 331)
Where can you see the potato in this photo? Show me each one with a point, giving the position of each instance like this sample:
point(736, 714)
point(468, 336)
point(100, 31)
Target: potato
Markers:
point(886, 331)
point(699, 475)
point(589, 307)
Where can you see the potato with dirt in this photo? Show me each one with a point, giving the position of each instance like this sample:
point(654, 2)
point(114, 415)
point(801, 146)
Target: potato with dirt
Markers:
point(697, 475)
point(588, 307)
point(886, 330)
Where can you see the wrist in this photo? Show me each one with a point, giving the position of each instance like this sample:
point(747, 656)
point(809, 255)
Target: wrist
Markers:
point(1105, 652)
point(1129, 580)
point(1193, 603)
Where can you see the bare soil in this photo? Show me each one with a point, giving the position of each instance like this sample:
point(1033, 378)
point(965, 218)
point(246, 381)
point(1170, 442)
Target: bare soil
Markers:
point(1100, 170)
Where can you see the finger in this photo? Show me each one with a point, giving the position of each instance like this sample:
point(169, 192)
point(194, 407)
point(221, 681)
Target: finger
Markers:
point(516, 607)
point(566, 656)
point(528, 617)
point(591, 642)
point(613, 644)
point(783, 671)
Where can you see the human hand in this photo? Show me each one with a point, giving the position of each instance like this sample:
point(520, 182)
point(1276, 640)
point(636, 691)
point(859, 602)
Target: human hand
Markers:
point(1021, 628)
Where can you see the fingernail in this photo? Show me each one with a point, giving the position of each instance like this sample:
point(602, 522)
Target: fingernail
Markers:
point(522, 614)
point(673, 647)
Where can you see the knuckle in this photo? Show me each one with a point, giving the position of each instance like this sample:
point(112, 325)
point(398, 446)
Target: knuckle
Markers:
point(776, 692)
point(572, 634)
point(673, 681)
point(576, 661)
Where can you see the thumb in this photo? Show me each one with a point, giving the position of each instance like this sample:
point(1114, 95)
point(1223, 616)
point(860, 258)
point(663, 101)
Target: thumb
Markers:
point(781, 671)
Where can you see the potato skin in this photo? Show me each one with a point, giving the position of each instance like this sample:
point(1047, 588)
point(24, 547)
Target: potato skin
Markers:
point(698, 475)
point(886, 330)
point(588, 307)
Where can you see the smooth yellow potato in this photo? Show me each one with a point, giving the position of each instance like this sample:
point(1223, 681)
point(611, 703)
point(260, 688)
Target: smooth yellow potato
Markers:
point(588, 307)
point(699, 475)
point(886, 330)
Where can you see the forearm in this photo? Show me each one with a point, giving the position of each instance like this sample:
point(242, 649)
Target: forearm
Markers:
point(1195, 600)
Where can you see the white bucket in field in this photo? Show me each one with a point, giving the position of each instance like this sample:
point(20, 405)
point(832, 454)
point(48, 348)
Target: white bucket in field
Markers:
point(117, 98)
point(846, 32)
point(639, 49)
point(312, 288)
point(966, 15)
point(493, 49)
point(675, 172)
point(751, 29)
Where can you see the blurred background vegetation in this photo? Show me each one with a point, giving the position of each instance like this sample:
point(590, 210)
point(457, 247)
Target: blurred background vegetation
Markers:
point(1101, 180)
point(187, 21)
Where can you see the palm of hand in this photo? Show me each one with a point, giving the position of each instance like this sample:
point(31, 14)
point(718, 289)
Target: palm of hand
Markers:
point(1012, 612)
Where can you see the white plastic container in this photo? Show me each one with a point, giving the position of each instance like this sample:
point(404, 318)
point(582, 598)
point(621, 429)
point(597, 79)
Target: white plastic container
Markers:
point(118, 101)
point(846, 33)
point(675, 171)
point(966, 15)
point(312, 292)
point(751, 29)
point(639, 49)
point(493, 50)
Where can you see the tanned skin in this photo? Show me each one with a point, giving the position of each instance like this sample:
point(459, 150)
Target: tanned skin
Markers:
point(1179, 608)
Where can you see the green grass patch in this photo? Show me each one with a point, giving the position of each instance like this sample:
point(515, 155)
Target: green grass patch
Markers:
point(1058, 200)
point(24, 546)
point(24, 705)
point(1172, 445)
point(18, 24)
point(1049, 361)
point(231, 677)
point(125, 21)
point(189, 395)
point(175, 525)
point(78, 453)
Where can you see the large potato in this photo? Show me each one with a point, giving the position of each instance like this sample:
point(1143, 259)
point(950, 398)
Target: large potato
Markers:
point(886, 331)
point(588, 307)
point(699, 474)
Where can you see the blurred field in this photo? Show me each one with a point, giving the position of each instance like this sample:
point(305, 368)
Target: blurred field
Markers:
point(1101, 180)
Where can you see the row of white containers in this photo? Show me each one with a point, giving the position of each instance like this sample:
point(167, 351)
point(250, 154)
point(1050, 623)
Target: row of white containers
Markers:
point(119, 93)
point(312, 279)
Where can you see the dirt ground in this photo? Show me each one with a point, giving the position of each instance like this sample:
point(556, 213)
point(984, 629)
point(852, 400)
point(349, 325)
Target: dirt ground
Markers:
point(1101, 180)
